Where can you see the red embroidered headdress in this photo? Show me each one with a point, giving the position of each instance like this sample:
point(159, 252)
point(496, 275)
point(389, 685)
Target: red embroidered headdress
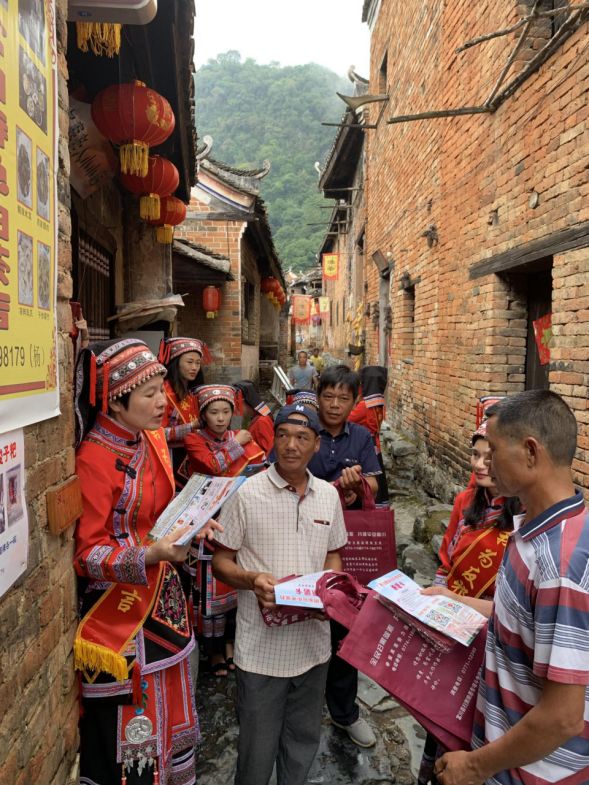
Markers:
point(208, 393)
point(107, 370)
point(171, 348)
point(303, 398)
point(482, 405)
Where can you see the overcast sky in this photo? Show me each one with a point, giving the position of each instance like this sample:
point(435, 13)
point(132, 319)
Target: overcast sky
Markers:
point(292, 32)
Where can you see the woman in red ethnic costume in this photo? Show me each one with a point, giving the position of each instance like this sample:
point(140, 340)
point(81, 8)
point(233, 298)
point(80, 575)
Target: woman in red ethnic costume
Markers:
point(370, 412)
point(221, 452)
point(261, 425)
point(472, 550)
point(138, 724)
point(183, 358)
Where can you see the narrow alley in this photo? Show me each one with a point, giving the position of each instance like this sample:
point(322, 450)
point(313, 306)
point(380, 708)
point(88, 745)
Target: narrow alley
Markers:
point(289, 290)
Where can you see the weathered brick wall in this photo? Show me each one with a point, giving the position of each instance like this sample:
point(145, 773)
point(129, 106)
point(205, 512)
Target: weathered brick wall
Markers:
point(347, 293)
point(472, 178)
point(222, 334)
point(38, 692)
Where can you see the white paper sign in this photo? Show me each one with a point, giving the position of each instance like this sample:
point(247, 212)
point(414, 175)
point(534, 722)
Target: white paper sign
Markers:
point(14, 524)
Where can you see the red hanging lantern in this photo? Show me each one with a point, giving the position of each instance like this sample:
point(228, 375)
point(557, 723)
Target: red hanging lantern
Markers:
point(266, 284)
point(172, 213)
point(275, 292)
point(211, 301)
point(134, 117)
point(162, 179)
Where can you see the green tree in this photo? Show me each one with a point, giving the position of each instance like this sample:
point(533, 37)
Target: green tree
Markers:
point(256, 112)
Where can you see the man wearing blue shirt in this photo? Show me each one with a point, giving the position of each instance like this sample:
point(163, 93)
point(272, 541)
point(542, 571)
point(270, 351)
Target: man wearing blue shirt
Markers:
point(303, 375)
point(346, 453)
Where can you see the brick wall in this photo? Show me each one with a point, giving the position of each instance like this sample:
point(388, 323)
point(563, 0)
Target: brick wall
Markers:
point(487, 183)
point(222, 334)
point(38, 694)
point(347, 293)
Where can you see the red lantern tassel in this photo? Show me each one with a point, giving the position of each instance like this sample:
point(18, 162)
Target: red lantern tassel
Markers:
point(149, 207)
point(123, 775)
point(164, 234)
point(105, 370)
point(92, 393)
point(134, 158)
point(156, 775)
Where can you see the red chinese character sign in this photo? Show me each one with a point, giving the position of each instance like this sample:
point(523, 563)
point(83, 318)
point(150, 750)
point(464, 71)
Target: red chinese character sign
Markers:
point(543, 336)
point(14, 527)
point(330, 266)
point(28, 227)
point(301, 308)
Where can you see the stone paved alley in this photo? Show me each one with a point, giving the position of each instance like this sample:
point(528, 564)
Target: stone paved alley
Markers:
point(339, 762)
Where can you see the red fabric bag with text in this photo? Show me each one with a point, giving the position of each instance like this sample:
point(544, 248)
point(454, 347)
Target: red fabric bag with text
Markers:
point(282, 615)
point(342, 597)
point(439, 689)
point(371, 550)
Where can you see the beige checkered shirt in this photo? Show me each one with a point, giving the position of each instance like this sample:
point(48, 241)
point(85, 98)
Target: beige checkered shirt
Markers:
point(274, 530)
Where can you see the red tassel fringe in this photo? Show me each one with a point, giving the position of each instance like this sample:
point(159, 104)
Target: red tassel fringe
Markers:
point(136, 680)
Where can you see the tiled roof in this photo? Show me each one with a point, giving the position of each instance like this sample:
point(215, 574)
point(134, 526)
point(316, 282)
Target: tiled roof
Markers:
point(202, 255)
point(256, 174)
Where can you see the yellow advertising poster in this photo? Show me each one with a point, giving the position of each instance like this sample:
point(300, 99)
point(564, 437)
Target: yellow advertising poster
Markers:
point(330, 266)
point(324, 306)
point(28, 214)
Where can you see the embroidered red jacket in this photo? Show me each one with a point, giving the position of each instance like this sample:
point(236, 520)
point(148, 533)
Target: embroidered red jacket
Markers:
point(221, 457)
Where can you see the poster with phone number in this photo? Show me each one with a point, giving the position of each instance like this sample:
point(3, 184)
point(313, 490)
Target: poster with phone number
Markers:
point(14, 525)
point(28, 213)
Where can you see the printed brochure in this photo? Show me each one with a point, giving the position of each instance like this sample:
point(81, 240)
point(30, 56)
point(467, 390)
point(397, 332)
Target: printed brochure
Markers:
point(444, 614)
point(198, 502)
point(300, 592)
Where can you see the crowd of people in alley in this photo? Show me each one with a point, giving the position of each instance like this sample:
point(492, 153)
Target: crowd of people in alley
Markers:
point(516, 550)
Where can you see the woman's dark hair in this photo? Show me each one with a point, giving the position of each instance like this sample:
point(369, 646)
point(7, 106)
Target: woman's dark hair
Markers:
point(474, 514)
point(180, 385)
point(337, 375)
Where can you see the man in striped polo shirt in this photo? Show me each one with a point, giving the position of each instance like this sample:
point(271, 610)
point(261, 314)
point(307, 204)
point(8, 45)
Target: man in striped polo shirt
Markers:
point(532, 721)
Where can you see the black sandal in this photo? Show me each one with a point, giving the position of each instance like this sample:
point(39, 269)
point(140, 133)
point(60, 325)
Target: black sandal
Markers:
point(219, 666)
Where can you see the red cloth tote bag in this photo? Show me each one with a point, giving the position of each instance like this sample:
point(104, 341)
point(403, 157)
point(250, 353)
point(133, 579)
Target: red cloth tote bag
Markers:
point(438, 688)
point(371, 550)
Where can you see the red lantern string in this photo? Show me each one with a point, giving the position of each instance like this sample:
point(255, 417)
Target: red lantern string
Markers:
point(162, 179)
point(172, 213)
point(134, 117)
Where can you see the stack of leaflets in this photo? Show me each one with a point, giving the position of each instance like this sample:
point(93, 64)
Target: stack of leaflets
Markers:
point(446, 615)
point(198, 502)
point(300, 592)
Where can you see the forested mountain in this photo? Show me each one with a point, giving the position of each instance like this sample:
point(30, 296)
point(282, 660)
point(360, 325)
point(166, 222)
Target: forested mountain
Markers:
point(256, 112)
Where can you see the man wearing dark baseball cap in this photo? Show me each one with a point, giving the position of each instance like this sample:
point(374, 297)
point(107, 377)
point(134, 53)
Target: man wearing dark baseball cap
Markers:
point(280, 523)
point(298, 413)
